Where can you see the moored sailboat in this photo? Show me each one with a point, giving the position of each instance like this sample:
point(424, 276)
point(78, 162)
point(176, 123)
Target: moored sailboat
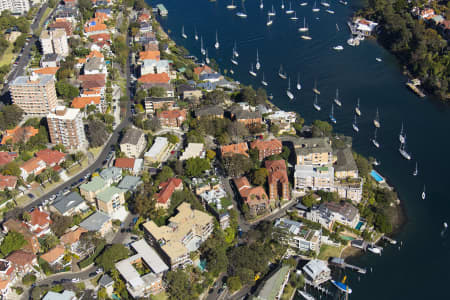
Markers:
point(217, 45)
point(401, 136)
point(282, 4)
point(272, 12)
point(357, 109)
point(263, 81)
point(281, 73)
point(183, 35)
point(355, 126)
point(304, 28)
point(269, 21)
point(294, 17)
point(416, 170)
point(315, 90)
point(299, 86)
point(403, 151)
point(316, 104)
point(253, 73)
point(258, 65)
point(336, 99)
point(233, 60)
point(231, 6)
point(202, 50)
point(290, 10)
point(195, 34)
point(338, 48)
point(424, 195)
point(261, 4)
point(207, 58)
point(303, 3)
point(376, 121)
point(374, 140)
point(332, 118)
point(235, 52)
point(315, 8)
point(288, 92)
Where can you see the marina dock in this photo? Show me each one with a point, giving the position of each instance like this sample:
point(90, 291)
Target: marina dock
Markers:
point(340, 262)
point(319, 288)
point(392, 241)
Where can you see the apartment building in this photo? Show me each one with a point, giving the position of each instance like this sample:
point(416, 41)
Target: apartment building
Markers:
point(313, 151)
point(255, 197)
point(35, 94)
point(297, 236)
point(158, 151)
point(185, 232)
point(15, 6)
point(55, 41)
point(66, 127)
point(267, 148)
point(309, 177)
point(133, 143)
point(172, 118)
point(328, 213)
point(110, 200)
point(153, 104)
point(278, 180)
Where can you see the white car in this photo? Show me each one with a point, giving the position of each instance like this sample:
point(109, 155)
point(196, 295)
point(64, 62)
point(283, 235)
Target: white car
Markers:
point(75, 279)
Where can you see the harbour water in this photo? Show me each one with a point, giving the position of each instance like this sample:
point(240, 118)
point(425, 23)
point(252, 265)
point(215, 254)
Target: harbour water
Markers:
point(421, 268)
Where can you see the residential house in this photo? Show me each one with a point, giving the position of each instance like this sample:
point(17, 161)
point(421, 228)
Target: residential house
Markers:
point(7, 157)
point(22, 261)
point(153, 66)
point(426, 14)
point(283, 120)
point(54, 256)
point(51, 157)
point(32, 244)
point(110, 200)
point(64, 295)
point(90, 189)
point(363, 26)
point(267, 148)
point(297, 235)
point(8, 182)
point(185, 232)
point(33, 166)
point(95, 27)
point(345, 166)
point(248, 118)
point(150, 80)
point(129, 183)
point(209, 112)
point(97, 222)
point(167, 188)
point(204, 69)
point(317, 271)
point(55, 41)
point(212, 77)
point(154, 55)
point(95, 65)
point(51, 60)
point(133, 143)
point(278, 181)
point(152, 104)
point(19, 134)
point(71, 239)
point(148, 284)
point(70, 204)
point(188, 92)
point(315, 178)
point(328, 213)
point(254, 197)
point(47, 71)
point(240, 148)
point(63, 24)
point(172, 118)
point(313, 151)
point(39, 223)
point(193, 150)
point(111, 175)
point(133, 165)
point(108, 283)
point(158, 152)
point(84, 101)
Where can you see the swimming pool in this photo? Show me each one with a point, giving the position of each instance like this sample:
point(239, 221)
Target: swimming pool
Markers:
point(347, 238)
point(375, 175)
point(358, 226)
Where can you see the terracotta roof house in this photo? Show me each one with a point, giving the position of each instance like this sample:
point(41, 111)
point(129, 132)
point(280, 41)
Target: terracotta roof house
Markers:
point(32, 244)
point(33, 166)
point(143, 17)
point(278, 180)
point(95, 53)
point(82, 102)
point(172, 118)
point(240, 148)
point(124, 163)
point(151, 80)
point(95, 29)
point(267, 148)
point(72, 236)
point(92, 78)
point(54, 255)
point(7, 182)
point(47, 70)
point(19, 134)
point(39, 222)
point(51, 157)
point(167, 189)
point(155, 55)
point(255, 197)
point(7, 157)
point(22, 261)
point(66, 25)
point(203, 70)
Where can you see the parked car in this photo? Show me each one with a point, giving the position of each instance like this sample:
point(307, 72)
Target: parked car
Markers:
point(99, 270)
point(76, 279)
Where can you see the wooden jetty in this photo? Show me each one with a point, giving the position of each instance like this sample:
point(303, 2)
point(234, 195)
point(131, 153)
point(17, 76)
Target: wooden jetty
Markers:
point(414, 87)
point(340, 262)
point(319, 288)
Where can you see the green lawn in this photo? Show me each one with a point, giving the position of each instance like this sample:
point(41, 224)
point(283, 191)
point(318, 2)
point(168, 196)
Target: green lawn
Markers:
point(7, 57)
point(160, 296)
point(327, 251)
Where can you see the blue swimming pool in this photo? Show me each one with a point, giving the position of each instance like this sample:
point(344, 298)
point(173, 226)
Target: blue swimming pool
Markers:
point(358, 226)
point(375, 175)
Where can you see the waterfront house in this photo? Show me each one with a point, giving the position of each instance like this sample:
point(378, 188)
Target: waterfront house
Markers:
point(313, 151)
point(345, 166)
point(51, 157)
point(330, 212)
point(363, 26)
point(317, 271)
point(297, 235)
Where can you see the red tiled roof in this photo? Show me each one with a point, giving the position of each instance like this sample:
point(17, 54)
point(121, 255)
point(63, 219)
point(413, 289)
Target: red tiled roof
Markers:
point(31, 165)
point(277, 171)
point(241, 183)
point(100, 37)
point(172, 114)
point(4, 284)
point(50, 157)
point(92, 77)
point(144, 17)
point(21, 258)
point(203, 69)
point(66, 25)
point(95, 53)
point(124, 163)
point(7, 182)
point(155, 78)
point(81, 102)
point(53, 254)
point(40, 218)
point(19, 134)
point(167, 189)
point(240, 148)
point(250, 195)
point(94, 28)
point(156, 55)
point(48, 70)
point(73, 236)
point(7, 157)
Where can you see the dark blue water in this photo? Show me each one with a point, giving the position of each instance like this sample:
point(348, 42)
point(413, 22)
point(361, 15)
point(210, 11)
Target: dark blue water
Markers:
point(421, 269)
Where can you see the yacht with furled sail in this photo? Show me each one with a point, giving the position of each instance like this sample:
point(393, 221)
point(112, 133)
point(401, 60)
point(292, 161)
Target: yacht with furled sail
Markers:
point(288, 91)
point(272, 12)
point(315, 8)
point(183, 35)
point(231, 6)
point(233, 60)
point(416, 170)
point(269, 21)
point(263, 81)
point(355, 126)
point(235, 52)
point(402, 135)
point(202, 50)
point(316, 103)
point(357, 109)
point(376, 121)
point(336, 99)
point(374, 140)
point(261, 4)
point(304, 28)
point(294, 17)
point(243, 13)
point(315, 90)
point(290, 10)
point(325, 4)
point(258, 64)
point(303, 3)
point(195, 34)
point(282, 4)
point(281, 73)
point(299, 86)
point(207, 58)
point(343, 2)
point(217, 45)
point(424, 195)
point(332, 118)
point(403, 151)
point(253, 73)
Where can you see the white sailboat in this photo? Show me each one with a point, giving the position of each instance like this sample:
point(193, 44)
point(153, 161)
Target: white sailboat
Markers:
point(299, 86)
point(251, 71)
point(357, 110)
point(303, 3)
point(272, 12)
point(258, 64)
point(331, 12)
point(336, 99)
point(242, 14)
point(423, 193)
point(290, 10)
point(402, 135)
point(403, 151)
point(325, 4)
point(343, 2)
point(338, 48)
point(207, 58)
point(355, 126)
point(217, 45)
point(416, 170)
point(332, 118)
point(315, 90)
point(315, 8)
point(288, 92)
point(261, 5)
point(202, 50)
point(282, 4)
point(269, 21)
point(231, 6)
point(306, 36)
point(183, 35)
point(316, 103)
point(378, 59)
point(263, 81)
point(374, 140)
point(337, 27)
point(195, 34)
point(281, 73)
point(376, 121)
point(235, 52)
point(233, 60)
point(304, 28)
point(294, 17)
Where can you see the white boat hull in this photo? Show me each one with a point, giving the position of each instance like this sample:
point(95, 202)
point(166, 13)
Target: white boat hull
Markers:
point(264, 83)
point(234, 62)
point(282, 76)
point(374, 250)
point(252, 73)
point(376, 123)
point(216, 45)
point(290, 95)
point(375, 143)
point(207, 60)
point(355, 128)
point(231, 6)
point(289, 12)
point(338, 48)
point(299, 87)
point(338, 103)
point(405, 154)
point(306, 37)
point(258, 66)
point(330, 11)
point(269, 23)
point(184, 36)
point(358, 111)
point(303, 3)
point(316, 9)
point(241, 15)
point(317, 107)
point(303, 29)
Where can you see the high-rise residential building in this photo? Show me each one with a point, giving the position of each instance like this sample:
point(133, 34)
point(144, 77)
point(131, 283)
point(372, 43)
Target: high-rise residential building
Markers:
point(66, 127)
point(36, 95)
point(15, 6)
point(54, 41)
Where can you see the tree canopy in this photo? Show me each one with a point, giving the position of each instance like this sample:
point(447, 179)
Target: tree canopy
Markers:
point(111, 255)
point(13, 241)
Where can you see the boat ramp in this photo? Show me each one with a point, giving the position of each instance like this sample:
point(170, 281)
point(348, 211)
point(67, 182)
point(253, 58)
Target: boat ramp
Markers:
point(340, 262)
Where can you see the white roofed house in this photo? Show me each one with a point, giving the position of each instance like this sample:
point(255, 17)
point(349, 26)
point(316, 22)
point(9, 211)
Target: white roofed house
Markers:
point(193, 150)
point(317, 271)
point(330, 212)
point(364, 26)
point(297, 235)
point(152, 66)
point(158, 151)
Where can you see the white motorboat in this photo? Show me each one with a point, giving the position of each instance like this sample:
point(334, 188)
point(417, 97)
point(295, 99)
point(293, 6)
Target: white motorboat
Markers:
point(416, 170)
point(231, 71)
point(290, 10)
point(207, 58)
point(355, 126)
point(195, 34)
point(343, 2)
point(376, 163)
point(299, 86)
point(445, 225)
point(336, 99)
point(401, 136)
point(332, 118)
point(305, 295)
point(424, 195)
point(269, 21)
point(374, 140)
point(315, 8)
point(263, 81)
point(235, 52)
point(231, 6)
point(217, 45)
point(202, 50)
point(304, 28)
point(253, 73)
point(374, 249)
point(281, 73)
point(272, 12)
point(294, 17)
point(261, 5)
point(303, 3)
point(338, 48)
point(306, 37)
point(357, 109)
point(315, 90)
point(241, 14)
point(282, 4)
point(403, 151)
point(376, 121)
point(183, 35)
point(337, 27)
point(378, 59)
point(233, 60)
point(325, 4)
point(331, 12)
point(288, 92)
point(258, 64)
point(316, 104)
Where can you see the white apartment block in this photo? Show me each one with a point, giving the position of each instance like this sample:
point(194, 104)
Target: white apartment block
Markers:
point(55, 41)
point(15, 6)
point(66, 127)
